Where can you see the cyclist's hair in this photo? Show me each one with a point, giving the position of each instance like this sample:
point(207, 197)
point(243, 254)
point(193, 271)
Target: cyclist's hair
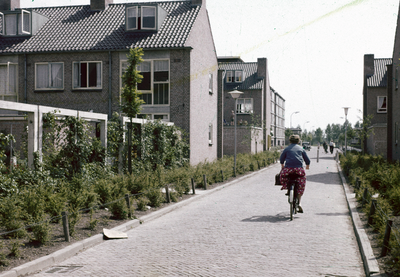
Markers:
point(294, 139)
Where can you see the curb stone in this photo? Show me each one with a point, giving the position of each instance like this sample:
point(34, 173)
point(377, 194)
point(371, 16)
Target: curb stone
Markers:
point(370, 263)
point(71, 250)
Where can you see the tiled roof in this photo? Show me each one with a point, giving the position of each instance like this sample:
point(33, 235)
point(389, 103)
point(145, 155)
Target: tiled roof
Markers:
point(78, 28)
point(379, 79)
point(251, 80)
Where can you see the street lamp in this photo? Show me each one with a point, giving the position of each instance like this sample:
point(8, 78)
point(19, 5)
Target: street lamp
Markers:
point(346, 109)
point(304, 125)
point(291, 118)
point(235, 95)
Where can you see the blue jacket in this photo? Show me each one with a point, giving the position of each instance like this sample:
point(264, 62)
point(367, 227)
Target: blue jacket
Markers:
point(294, 155)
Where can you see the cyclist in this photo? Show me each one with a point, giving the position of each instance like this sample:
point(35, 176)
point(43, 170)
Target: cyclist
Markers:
point(292, 159)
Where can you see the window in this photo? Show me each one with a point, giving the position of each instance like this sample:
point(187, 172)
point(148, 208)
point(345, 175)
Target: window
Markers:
point(238, 76)
point(8, 82)
point(382, 104)
point(13, 23)
point(244, 105)
point(149, 18)
point(1, 24)
point(132, 18)
point(49, 76)
point(210, 134)
point(25, 22)
point(143, 18)
point(210, 83)
point(86, 75)
point(154, 87)
point(229, 76)
point(163, 117)
point(234, 76)
point(145, 71)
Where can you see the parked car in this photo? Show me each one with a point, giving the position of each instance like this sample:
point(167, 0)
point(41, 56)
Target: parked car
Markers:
point(306, 146)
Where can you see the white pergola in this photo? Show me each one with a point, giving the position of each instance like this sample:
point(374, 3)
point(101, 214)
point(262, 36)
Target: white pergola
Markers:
point(35, 123)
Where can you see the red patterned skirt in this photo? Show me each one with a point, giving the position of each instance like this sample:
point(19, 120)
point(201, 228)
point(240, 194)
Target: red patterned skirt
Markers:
point(301, 179)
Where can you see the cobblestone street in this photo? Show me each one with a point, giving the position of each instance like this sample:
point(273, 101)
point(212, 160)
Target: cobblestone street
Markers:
point(240, 230)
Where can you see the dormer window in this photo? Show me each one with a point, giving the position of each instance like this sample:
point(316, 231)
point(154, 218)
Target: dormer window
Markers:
point(234, 76)
point(238, 76)
point(148, 18)
point(141, 18)
point(15, 23)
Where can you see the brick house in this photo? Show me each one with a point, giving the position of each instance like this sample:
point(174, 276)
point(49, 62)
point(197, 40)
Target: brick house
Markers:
point(375, 103)
point(278, 118)
point(256, 107)
point(73, 57)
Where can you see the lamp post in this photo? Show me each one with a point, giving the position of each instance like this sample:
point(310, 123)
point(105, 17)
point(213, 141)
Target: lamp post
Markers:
point(346, 109)
point(235, 95)
point(291, 118)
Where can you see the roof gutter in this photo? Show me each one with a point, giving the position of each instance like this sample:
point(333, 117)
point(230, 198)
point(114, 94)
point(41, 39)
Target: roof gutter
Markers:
point(25, 80)
point(109, 85)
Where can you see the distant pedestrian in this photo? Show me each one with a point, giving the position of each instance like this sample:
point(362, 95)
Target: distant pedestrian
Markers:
point(331, 146)
point(325, 147)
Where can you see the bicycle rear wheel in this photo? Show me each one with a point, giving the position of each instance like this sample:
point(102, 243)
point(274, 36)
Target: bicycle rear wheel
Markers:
point(291, 202)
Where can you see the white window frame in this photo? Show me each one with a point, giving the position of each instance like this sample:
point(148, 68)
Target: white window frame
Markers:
point(16, 23)
point(2, 31)
point(244, 103)
point(379, 108)
point(210, 83)
point(230, 76)
point(137, 17)
point(210, 134)
point(87, 76)
point(239, 77)
point(141, 18)
point(22, 22)
point(163, 114)
point(8, 81)
point(49, 88)
point(152, 82)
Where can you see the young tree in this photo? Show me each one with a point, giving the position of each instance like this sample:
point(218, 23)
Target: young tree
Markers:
point(328, 132)
point(318, 135)
point(131, 105)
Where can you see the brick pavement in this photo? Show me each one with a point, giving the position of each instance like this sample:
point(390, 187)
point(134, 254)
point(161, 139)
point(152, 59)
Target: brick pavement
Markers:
point(240, 230)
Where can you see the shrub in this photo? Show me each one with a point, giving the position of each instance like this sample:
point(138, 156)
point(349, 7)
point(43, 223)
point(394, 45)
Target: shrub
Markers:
point(14, 248)
point(119, 209)
point(155, 196)
point(42, 232)
point(3, 257)
point(11, 215)
point(92, 222)
point(141, 203)
point(74, 216)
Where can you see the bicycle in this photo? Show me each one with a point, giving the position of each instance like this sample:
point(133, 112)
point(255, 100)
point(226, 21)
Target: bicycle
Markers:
point(293, 200)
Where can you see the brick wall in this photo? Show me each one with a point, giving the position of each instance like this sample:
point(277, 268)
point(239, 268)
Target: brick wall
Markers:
point(77, 99)
point(377, 141)
point(203, 105)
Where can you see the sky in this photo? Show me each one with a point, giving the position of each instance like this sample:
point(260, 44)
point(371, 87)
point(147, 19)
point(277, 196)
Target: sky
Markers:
point(315, 49)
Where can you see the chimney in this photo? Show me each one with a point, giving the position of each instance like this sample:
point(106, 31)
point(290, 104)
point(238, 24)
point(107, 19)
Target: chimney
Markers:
point(198, 2)
point(99, 5)
point(9, 5)
point(368, 64)
point(261, 68)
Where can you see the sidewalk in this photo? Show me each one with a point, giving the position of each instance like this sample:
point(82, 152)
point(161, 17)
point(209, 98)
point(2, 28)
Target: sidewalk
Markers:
point(239, 229)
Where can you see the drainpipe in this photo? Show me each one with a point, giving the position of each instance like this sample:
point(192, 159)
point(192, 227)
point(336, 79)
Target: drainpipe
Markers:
point(109, 85)
point(25, 80)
